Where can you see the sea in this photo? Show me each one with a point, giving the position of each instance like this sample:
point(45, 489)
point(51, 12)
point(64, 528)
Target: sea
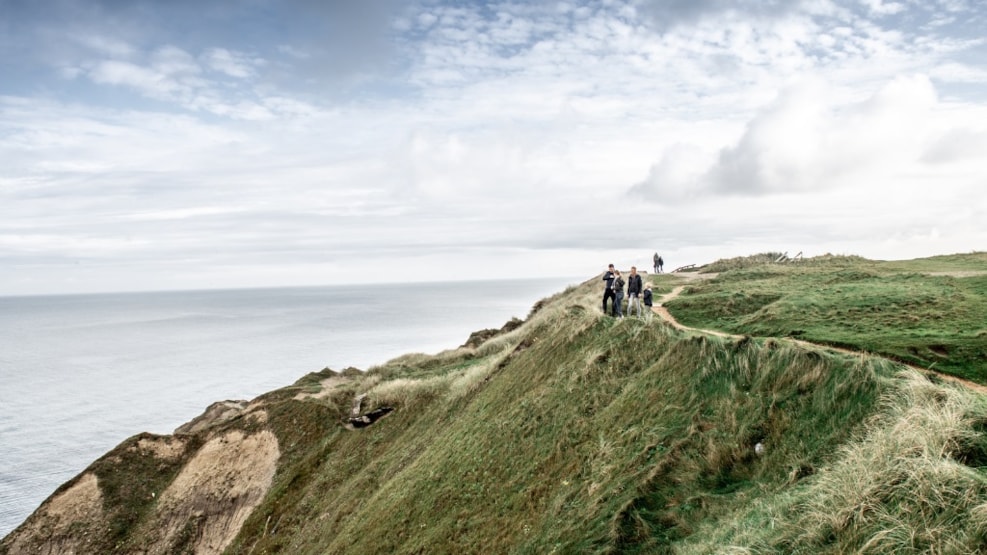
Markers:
point(81, 373)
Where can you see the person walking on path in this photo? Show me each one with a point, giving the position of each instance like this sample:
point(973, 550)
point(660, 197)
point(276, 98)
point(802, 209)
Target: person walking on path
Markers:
point(648, 300)
point(618, 291)
point(608, 289)
point(634, 289)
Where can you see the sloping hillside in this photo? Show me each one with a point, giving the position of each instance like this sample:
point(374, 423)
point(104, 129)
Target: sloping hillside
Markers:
point(931, 312)
point(572, 433)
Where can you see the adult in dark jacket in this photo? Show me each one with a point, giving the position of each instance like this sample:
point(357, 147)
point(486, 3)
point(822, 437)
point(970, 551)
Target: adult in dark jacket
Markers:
point(608, 289)
point(618, 291)
point(634, 288)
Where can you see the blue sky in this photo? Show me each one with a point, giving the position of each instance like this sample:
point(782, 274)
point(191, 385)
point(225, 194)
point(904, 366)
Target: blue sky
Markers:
point(181, 145)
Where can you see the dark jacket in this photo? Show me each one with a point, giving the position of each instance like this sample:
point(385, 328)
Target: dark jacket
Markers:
point(608, 277)
point(634, 284)
point(648, 300)
point(618, 286)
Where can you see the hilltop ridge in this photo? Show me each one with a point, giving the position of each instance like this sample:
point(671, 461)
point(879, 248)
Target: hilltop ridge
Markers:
point(573, 432)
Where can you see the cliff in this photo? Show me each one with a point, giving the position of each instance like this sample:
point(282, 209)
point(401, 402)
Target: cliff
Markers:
point(571, 432)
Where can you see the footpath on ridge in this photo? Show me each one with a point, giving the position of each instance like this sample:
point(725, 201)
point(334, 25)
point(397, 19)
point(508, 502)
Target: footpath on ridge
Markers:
point(660, 309)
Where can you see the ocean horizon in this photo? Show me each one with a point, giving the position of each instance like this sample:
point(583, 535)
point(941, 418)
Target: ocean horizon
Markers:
point(84, 372)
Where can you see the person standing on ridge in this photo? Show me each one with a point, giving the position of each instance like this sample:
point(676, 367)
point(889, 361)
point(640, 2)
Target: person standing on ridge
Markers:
point(661, 263)
point(634, 288)
point(656, 259)
point(618, 291)
point(608, 290)
point(648, 300)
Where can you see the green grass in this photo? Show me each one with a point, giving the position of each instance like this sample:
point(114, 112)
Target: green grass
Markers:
point(908, 310)
point(579, 433)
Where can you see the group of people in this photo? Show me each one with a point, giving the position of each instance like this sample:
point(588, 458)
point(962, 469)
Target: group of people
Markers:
point(636, 293)
point(659, 263)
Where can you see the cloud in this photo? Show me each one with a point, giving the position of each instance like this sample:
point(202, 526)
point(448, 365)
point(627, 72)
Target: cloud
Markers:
point(956, 145)
point(676, 176)
point(231, 63)
point(668, 14)
point(161, 83)
point(314, 136)
point(218, 81)
point(883, 7)
point(337, 42)
point(808, 140)
point(305, 43)
point(954, 72)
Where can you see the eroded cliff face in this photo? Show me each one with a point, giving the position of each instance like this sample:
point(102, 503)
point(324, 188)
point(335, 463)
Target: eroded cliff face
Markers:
point(189, 492)
point(52, 530)
point(217, 489)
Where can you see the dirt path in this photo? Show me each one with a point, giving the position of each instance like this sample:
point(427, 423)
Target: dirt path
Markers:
point(665, 315)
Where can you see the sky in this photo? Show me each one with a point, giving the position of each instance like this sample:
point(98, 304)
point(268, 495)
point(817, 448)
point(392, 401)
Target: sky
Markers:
point(150, 145)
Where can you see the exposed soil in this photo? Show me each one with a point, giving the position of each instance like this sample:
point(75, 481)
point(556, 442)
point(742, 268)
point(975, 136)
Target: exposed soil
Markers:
point(50, 531)
point(958, 273)
point(200, 511)
point(206, 505)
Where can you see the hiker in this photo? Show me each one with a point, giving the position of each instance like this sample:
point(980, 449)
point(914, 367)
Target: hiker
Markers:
point(656, 258)
point(634, 292)
point(648, 300)
point(608, 290)
point(661, 264)
point(618, 292)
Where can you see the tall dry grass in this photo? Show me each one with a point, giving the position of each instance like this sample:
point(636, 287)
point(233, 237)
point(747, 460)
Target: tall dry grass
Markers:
point(912, 482)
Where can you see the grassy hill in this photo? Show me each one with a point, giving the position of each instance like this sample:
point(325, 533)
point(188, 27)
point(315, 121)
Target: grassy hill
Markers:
point(929, 312)
point(578, 433)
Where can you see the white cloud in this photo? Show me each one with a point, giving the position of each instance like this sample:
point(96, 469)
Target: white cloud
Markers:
point(426, 20)
point(676, 176)
point(173, 61)
point(808, 140)
point(106, 45)
point(234, 64)
point(954, 72)
point(556, 135)
point(958, 144)
point(882, 7)
point(171, 74)
point(146, 80)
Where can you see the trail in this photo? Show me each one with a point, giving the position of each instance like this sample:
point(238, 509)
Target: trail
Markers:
point(665, 315)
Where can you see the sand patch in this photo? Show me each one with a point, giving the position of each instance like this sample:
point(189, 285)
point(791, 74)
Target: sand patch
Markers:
point(168, 448)
point(216, 413)
point(958, 273)
point(206, 505)
point(53, 528)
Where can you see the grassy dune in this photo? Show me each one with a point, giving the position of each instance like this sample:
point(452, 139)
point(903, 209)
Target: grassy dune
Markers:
point(928, 312)
point(579, 433)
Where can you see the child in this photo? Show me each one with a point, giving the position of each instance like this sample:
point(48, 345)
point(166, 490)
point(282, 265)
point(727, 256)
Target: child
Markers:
point(648, 299)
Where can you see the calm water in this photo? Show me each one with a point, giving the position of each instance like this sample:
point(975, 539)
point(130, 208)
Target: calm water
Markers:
point(81, 373)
